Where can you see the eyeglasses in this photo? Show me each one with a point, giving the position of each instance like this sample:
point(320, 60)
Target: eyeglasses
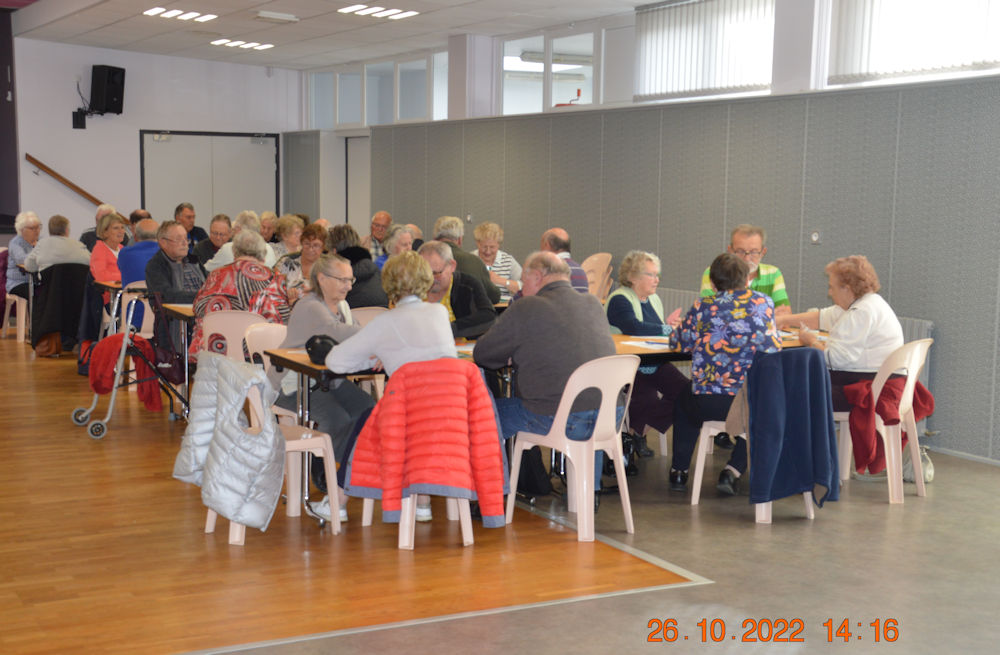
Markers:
point(748, 253)
point(441, 272)
point(648, 274)
point(346, 280)
point(174, 240)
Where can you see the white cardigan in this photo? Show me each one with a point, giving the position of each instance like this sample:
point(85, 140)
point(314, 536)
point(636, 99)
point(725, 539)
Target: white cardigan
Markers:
point(862, 336)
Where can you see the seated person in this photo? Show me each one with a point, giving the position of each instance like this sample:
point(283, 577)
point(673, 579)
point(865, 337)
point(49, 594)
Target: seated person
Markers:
point(723, 333)
point(245, 285)
point(504, 270)
point(635, 309)
point(58, 248)
point(104, 257)
point(171, 272)
point(398, 239)
point(289, 232)
point(245, 220)
point(219, 232)
point(28, 229)
point(132, 260)
point(297, 267)
point(367, 290)
point(323, 310)
point(863, 328)
point(412, 331)
point(747, 242)
point(469, 309)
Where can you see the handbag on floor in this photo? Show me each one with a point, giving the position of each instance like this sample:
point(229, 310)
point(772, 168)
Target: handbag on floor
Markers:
point(925, 462)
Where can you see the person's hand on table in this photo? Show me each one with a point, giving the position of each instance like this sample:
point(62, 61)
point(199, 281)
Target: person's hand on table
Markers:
point(377, 366)
point(807, 337)
point(675, 318)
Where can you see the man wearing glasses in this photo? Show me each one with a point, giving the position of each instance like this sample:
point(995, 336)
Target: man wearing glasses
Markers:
point(173, 273)
point(469, 308)
point(747, 242)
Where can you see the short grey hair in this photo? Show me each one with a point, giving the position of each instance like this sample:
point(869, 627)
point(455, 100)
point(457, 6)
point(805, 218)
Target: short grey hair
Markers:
point(632, 265)
point(392, 236)
point(439, 248)
point(247, 219)
point(449, 227)
point(25, 219)
point(104, 210)
point(749, 230)
point(548, 263)
point(249, 244)
point(323, 265)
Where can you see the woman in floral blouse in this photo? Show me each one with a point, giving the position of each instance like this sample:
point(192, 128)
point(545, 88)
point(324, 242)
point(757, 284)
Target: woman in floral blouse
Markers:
point(722, 332)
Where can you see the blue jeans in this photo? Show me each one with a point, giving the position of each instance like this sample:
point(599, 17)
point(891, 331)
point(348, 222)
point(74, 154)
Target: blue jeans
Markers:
point(514, 417)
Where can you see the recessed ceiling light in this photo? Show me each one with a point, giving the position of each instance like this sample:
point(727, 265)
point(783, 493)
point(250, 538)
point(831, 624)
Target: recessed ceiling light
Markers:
point(405, 14)
point(220, 41)
point(266, 46)
point(233, 44)
point(252, 44)
point(154, 11)
point(205, 18)
point(171, 13)
point(276, 17)
point(369, 10)
point(189, 15)
point(387, 12)
point(346, 10)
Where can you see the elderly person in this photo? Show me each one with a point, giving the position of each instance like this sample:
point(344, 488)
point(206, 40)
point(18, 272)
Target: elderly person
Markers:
point(367, 290)
point(323, 310)
point(57, 248)
point(863, 329)
point(104, 257)
point(246, 285)
point(28, 229)
point(635, 309)
point(398, 239)
point(289, 233)
point(723, 333)
point(220, 230)
point(245, 220)
point(469, 309)
point(748, 243)
point(268, 224)
point(374, 241)
point(504, 270)
point(413, 331)
point(297, 267)
point(451, 230)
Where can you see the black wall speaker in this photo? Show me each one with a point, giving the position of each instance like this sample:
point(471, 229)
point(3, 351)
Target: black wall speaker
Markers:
point(107, 89)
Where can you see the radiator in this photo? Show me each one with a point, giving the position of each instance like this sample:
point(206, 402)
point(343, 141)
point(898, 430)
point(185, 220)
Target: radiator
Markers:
point(674, 298)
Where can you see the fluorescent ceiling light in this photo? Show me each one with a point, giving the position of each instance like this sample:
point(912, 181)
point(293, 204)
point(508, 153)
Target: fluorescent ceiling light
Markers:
point(369, 10)
point(205, 18)
point(277, 17)
point(233, 44)
point(154, 11)
point(405, 14)
point(347, 10)
point(220, 42)
point(517, 64)
point(252, 44)
point(387, 12)
point(172, 13)
point(189, 15)
point(266, 46)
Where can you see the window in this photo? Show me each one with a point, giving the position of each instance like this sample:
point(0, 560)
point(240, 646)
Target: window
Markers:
point(379, 88)
point(523, 72)
point(413, 90)
point(440, 83)
point(349, 99)
point(700, 47)
point(876, 39)
point(573, 70)
point(321, 97)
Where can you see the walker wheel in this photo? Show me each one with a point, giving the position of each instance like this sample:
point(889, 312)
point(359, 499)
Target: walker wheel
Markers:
point(80, 416)
point(97, 429)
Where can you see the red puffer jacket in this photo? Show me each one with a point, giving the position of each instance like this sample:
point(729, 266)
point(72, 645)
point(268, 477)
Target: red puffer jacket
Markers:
point(433, 432)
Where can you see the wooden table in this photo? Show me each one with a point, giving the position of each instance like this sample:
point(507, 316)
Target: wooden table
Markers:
point(652, 350)
point(297, 360)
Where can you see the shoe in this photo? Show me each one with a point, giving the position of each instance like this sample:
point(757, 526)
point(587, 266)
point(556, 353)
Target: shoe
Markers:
point(423, 513)
point(678, 480)
point(322, 509)
point(641, 447)
point(728, 482)
point(723, 441)
point(318, 471)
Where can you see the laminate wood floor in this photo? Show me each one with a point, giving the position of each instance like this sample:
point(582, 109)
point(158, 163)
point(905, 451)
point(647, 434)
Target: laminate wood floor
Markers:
point(101, 550)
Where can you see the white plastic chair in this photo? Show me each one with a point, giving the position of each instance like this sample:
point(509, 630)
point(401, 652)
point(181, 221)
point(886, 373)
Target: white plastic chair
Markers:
point(268, 336)
point(232, 325)
point(609, 375)
point(362, 315)
point(911, 357)
point(298, 440)
point(706, 445)
point(22, 315)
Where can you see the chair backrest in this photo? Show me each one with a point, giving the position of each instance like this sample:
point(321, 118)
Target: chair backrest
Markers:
point(231, 325)
point(264, 336)
point(910, 356)
point(608, 375)
point(146, 329)
point(362, 315)
point(598, 269)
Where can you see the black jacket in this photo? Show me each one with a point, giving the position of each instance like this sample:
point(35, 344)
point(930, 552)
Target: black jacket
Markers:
point(160, 280)
point(367, 290)
point(474, 313)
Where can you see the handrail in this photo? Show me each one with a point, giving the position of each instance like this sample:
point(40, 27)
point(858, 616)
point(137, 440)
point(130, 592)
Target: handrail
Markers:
point(70, 185)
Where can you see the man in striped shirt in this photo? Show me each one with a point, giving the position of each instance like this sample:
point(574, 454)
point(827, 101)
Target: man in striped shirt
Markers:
point(747, 242)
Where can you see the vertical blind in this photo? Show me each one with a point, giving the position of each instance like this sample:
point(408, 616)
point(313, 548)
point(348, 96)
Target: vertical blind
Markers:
point(876, 39)
point(701, 47)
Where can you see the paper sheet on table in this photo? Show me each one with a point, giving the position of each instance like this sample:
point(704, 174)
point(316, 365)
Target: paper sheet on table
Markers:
point(794, 334)
point(652, 343)
point(465, 348)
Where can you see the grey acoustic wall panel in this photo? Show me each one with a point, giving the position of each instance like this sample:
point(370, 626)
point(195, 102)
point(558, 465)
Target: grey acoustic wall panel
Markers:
point(382, 158)
point(945, 250)
point(301, 173)
point(849, 191)
point(445, 175)
point(484, 171)
point(575, 181)
point(766, 153)
point(693, 142)
point(526, 184)
point(409, 192)
point(630, 185)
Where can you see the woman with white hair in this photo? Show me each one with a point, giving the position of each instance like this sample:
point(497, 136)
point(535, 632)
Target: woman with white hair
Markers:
point(398, 239)
point(28, 229)
point(246, 285)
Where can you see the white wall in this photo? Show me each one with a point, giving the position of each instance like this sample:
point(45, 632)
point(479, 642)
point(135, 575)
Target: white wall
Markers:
point(161, 93)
